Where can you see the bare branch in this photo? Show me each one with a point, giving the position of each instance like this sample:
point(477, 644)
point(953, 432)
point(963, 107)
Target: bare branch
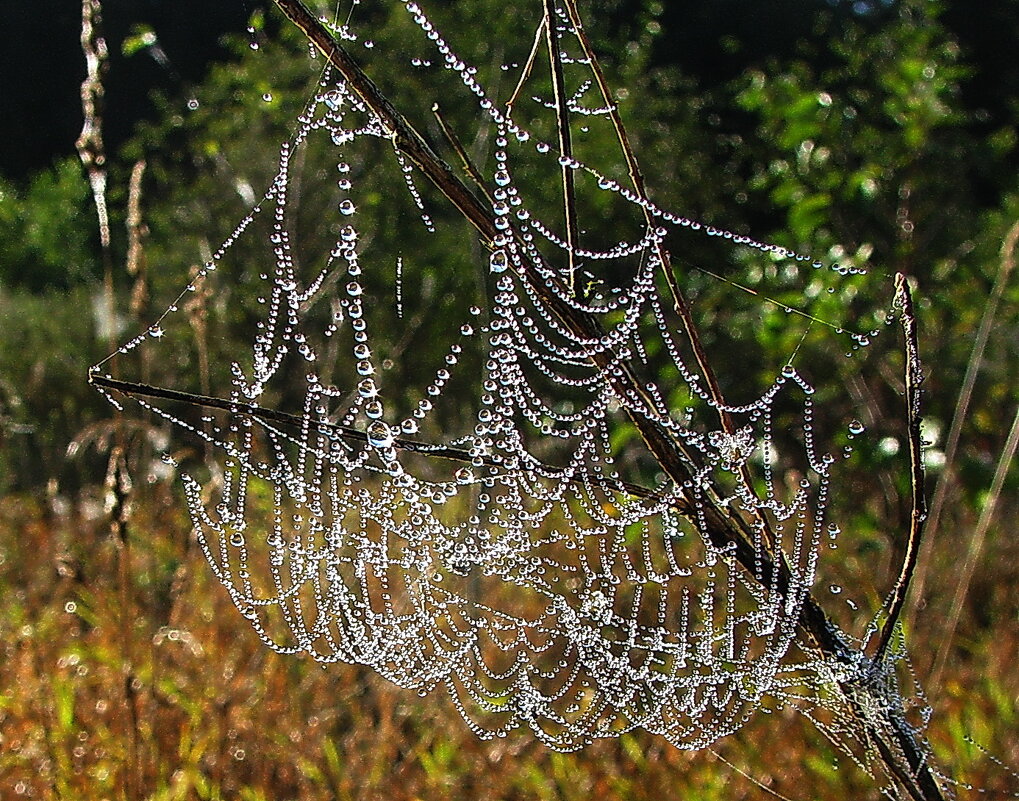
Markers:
point(918, 511)
point(565, 141)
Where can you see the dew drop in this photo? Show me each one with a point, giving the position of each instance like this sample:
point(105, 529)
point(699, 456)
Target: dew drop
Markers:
point(379, 435)
point(347, 207)
point(498, 262)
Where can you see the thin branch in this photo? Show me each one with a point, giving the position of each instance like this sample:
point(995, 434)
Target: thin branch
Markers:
point(525, 73)
point(565, 142)
point(918, 513)
point(468, 164)
point(679, 302)
point(138, 390)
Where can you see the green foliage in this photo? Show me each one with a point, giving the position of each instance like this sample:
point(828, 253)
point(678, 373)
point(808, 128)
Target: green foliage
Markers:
point(47, 343)
point(49, 231)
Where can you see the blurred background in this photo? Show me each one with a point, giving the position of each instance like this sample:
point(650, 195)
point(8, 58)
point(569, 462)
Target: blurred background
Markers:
point(878, 134)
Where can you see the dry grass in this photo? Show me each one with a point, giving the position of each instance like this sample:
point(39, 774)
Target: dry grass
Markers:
point(147, 684)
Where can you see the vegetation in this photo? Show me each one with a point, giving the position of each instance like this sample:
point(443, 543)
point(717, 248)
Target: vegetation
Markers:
point(125, 670)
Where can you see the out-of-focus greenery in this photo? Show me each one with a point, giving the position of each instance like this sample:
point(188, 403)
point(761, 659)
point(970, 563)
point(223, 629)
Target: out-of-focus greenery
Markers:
point(855, 145)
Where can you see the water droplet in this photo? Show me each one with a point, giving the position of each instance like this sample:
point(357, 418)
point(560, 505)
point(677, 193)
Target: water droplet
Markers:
point(367, 389)
point(379, 435)
point(856, 427)
point(267, 97)
point(347, 207)
point(499, 261)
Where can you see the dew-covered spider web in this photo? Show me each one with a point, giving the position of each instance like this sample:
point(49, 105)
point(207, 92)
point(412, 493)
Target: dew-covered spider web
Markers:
point(496, 465)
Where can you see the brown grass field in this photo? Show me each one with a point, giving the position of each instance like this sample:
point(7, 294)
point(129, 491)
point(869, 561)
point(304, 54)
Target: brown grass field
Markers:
point(127, 673)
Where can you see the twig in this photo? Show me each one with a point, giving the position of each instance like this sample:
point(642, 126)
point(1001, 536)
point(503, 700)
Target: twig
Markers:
point(680, 305)
point(529, 64)
point(918, 514)
point(461, 152)
point(565, 142)
point(679, 302)
point(137, 390)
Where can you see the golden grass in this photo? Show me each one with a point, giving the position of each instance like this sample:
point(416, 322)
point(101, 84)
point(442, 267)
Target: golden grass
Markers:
point(138, 679)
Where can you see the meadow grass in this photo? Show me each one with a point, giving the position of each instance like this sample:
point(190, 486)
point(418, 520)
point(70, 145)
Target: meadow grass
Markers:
point(127, 673)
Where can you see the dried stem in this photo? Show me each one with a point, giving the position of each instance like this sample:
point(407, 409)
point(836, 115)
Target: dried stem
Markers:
point(679, 302)
point(918, 515)
point(468, 164)
point(525, 73)
point(91, 149)
point(565, 142)
point(137, 390)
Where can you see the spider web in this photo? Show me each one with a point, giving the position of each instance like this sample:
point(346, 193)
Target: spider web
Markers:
point(494, 523)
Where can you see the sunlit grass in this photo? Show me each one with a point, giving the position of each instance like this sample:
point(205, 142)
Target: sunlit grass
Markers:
point(174, 697)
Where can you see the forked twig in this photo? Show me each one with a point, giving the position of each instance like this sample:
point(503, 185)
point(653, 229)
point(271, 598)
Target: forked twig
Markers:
point(525, 73)
point(679, 302)
point(565, 142)
point(468, 164)
point(918, 502)
point(137, 390)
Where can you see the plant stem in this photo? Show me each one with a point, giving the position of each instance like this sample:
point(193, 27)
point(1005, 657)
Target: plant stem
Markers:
point(918, 516)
